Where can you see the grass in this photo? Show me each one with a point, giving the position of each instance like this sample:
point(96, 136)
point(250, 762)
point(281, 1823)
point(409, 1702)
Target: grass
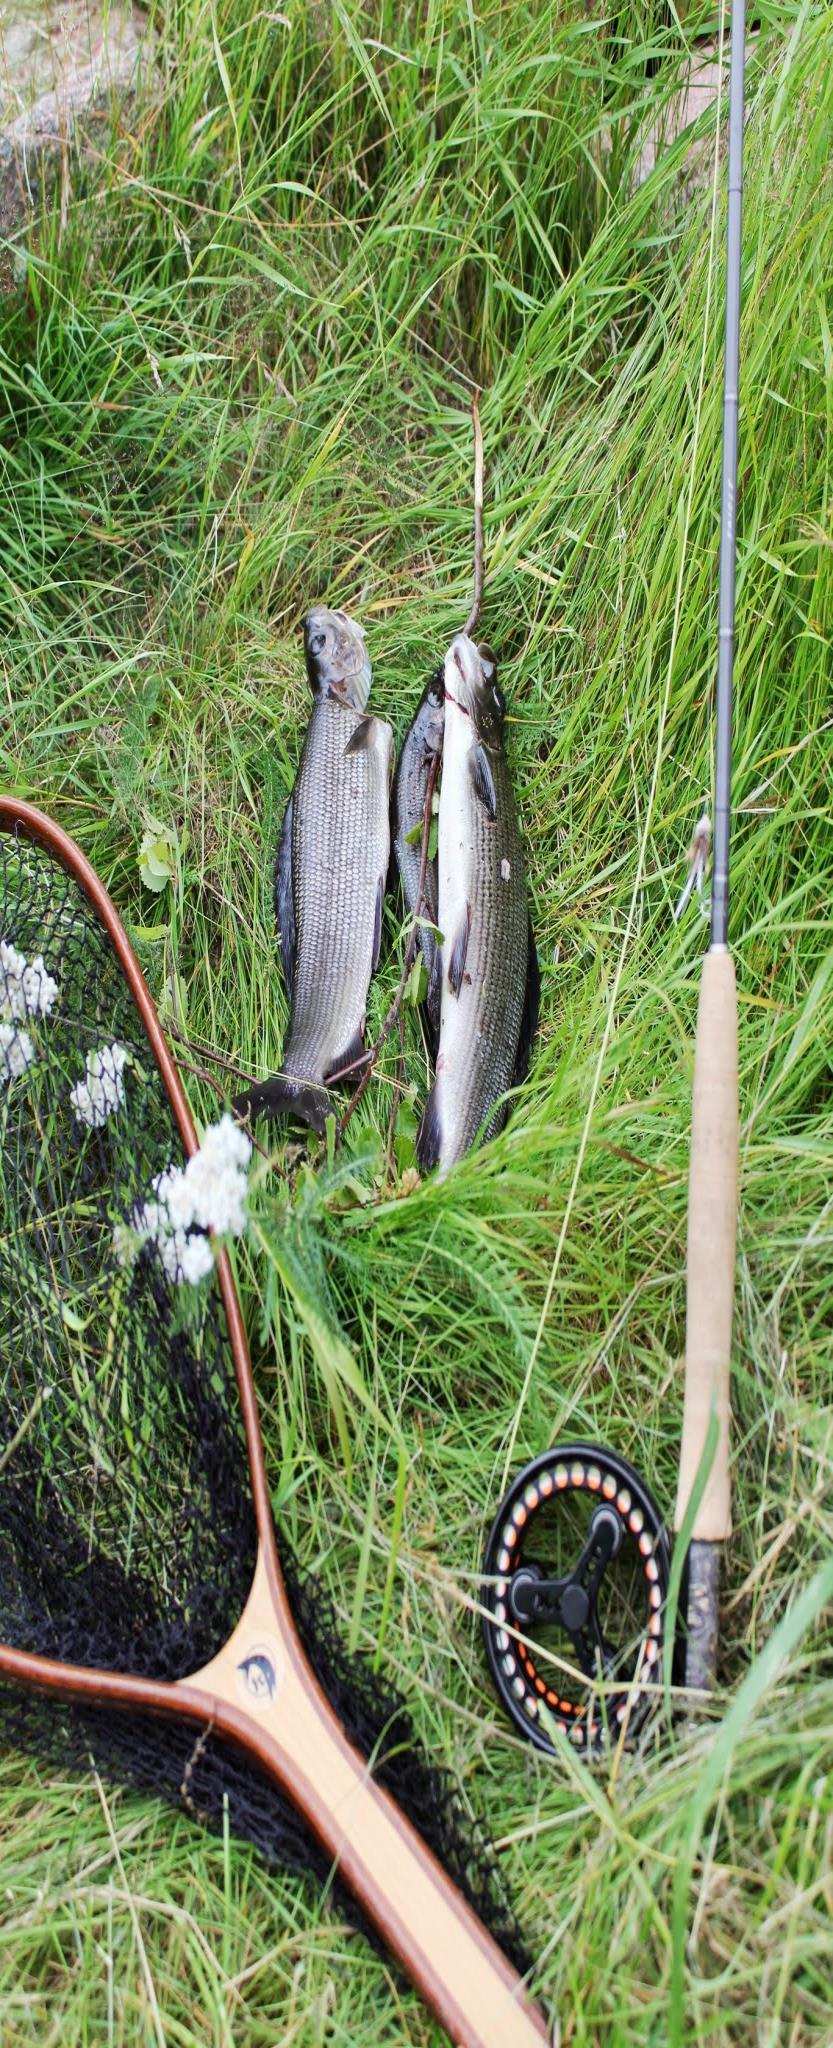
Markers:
point(237, 379)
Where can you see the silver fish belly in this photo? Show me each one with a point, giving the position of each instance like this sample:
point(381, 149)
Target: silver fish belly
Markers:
point(490, 985)
point(423, 741)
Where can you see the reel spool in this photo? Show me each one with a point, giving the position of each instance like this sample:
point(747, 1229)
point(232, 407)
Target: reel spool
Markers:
point(577, 1565)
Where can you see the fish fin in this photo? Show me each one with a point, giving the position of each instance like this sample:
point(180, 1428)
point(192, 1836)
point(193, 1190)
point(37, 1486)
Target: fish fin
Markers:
point(433, 1001)
point(529, 1013)
point(284, 901)
point(377, 922)
point(457, 963)
point(429, 1135)
point(390, 749)
point(361, 736)
point(302, 1101)
point(353, 1052)
point(483, 781)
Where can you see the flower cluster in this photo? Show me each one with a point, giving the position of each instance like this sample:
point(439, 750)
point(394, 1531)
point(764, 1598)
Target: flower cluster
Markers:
point(16, 1052)
point(101, 1094)
point(26, 991)
point(209, 1193)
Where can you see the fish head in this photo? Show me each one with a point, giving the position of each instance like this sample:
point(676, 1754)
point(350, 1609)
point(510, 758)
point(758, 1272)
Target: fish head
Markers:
point(433, 701)
point(338, 664)
point(471, 683)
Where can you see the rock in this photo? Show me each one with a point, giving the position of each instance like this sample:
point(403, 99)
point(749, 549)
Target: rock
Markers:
point(62, 64)
point(699, 87)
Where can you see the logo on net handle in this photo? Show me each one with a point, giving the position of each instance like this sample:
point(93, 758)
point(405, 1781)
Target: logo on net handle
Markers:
point(259, 1676)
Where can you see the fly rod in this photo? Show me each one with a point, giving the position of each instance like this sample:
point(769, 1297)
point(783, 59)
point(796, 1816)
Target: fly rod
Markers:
point(713, 1168)
point(598, 1570)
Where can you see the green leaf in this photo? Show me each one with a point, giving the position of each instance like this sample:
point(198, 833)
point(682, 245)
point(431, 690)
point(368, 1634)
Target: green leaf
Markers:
point(158, 856)
point(73, 1320)
point(417, 985)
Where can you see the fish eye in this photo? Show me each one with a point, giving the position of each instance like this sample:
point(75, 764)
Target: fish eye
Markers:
point(317, 641)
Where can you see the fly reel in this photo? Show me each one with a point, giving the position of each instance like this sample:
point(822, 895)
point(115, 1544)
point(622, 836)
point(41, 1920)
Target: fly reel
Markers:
point(577, 1567)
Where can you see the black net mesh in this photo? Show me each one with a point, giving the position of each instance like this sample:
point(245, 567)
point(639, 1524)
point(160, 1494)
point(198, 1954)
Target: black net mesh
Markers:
point(124, 1453)
point(127, 1534)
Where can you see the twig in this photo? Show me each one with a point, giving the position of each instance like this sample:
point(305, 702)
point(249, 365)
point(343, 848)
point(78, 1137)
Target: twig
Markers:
point(398, 1092)
point(202, 1074)
point(477, 599)
point(206, 1052)
point(196, 1754)
point(410, 950)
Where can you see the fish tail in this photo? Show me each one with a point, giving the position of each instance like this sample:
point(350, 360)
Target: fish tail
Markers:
point(302, 1101)
point(429, 1135)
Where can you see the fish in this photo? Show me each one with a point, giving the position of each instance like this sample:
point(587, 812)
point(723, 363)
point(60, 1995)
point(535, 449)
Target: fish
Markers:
point(410, 790)
point(490, 983)
point(330, 876)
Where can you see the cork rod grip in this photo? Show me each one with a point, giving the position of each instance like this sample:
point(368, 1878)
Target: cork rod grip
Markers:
point(712, 1224)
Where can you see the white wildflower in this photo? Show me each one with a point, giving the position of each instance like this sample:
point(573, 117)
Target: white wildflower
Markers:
point(101, 1095)
point(125, 1244)
point(148, 1220)
point(26, 990)
point(39, 989)
point(172, 1246)
point(12, 969)
point(207, 1194)
point(174, 1194)
point(215, 1178)
point(197, 1259)
point(16, 1052)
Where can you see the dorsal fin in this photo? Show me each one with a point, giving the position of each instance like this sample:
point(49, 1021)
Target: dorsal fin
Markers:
point(361, 736)
point(429, 1135)
point(377, 922)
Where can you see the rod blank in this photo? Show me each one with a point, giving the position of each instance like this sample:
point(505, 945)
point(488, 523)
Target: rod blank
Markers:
point(729, 486)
